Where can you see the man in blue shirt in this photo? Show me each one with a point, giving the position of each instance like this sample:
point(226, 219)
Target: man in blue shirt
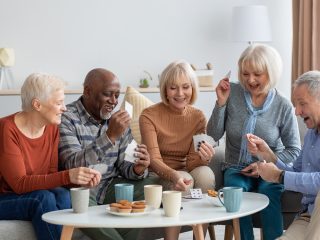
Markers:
point(304, 175)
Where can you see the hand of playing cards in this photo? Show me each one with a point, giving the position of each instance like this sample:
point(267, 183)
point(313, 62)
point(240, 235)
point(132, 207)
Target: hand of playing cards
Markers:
point(198, 139)
point(130, 151)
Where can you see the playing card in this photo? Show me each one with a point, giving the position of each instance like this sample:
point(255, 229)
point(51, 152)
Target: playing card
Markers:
point(101, 167)
point(130, 150)
point(203, 137)
point(228, 75)
point(196, 193)
point(129, 108)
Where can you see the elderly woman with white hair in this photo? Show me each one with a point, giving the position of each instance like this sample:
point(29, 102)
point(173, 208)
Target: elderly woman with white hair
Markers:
point(30, 184)
point(168, 127)
point(255, 106)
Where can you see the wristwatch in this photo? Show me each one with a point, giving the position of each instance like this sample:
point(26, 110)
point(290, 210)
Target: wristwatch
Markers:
point(281, 177)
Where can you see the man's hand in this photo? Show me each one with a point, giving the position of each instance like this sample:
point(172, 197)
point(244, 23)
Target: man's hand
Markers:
point(223, 91)
point(269, 172)
point(258, 147)
point(251, 170)
point(143, 161)
point(118, 123)
point(182, 184)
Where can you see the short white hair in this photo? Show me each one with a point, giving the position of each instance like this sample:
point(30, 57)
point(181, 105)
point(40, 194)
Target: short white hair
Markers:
point(312, 80)
point(39, 86)
point(262, 58)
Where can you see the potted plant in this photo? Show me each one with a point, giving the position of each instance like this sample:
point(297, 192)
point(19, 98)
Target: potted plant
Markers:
point(144, 81)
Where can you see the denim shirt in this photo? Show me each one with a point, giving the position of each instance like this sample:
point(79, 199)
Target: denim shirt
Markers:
point(304, 175)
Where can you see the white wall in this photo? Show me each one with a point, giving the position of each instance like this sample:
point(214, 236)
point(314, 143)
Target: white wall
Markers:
point(70, 37)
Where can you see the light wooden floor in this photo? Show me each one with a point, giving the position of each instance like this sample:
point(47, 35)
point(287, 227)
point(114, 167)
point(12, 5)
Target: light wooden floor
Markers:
point(219, 234)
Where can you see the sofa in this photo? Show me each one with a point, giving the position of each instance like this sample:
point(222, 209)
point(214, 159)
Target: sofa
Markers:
point(16, 230)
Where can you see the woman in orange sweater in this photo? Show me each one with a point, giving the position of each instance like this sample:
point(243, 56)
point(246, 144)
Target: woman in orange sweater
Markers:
point(168, 127)
point(30, 184)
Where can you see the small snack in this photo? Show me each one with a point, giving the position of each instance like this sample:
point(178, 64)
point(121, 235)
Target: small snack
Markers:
point(139, 203)
point(124, 202)
point(138, 207)
point(114, 207)
point(212, 193)
point(124, 208)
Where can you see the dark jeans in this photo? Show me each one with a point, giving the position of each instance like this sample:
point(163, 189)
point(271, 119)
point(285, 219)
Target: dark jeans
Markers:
point(31, 206)
point(271, 216)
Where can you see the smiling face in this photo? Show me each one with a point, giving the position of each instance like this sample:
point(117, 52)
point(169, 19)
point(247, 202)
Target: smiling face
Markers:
point(256, 82)
point(101, 94)
point(307, 106)
point(52, 109)
point(179, 93)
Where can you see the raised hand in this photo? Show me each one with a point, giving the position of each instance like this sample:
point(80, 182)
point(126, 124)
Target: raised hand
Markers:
point(118, 123)
point(258, 147)
point(223, 91)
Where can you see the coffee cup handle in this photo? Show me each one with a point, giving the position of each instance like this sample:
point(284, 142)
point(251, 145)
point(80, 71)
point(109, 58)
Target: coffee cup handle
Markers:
point(219, 194)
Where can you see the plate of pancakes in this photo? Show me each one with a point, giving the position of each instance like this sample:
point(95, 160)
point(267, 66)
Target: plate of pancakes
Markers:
point(129, 209)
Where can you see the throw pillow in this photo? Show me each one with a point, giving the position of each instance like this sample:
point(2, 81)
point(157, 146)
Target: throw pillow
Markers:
point(139, 102)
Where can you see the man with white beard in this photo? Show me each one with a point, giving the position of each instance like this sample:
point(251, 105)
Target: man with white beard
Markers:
point(92, 135)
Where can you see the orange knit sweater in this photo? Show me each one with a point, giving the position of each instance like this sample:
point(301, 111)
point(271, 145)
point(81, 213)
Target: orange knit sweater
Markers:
point(29, 164)
point(168, 136)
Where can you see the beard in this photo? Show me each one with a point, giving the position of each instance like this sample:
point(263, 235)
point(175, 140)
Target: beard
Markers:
point(105, 116)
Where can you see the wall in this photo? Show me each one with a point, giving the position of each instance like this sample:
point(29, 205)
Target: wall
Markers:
point(71, 37)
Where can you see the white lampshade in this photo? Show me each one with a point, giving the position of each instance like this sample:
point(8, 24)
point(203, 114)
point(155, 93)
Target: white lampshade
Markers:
point(251, 23)
point(6, 57)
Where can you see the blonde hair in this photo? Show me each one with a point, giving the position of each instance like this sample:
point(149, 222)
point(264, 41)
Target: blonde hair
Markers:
point(172, 74)
point(39, 86)
point(261, 58)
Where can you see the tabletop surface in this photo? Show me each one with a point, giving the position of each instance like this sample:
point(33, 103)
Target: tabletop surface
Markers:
point(195, 211)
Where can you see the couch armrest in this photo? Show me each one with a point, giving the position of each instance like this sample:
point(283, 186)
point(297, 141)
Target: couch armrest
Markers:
point(216, 164)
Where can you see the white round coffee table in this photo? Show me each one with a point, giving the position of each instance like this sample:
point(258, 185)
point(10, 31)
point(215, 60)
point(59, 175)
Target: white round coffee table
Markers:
point(195, 212)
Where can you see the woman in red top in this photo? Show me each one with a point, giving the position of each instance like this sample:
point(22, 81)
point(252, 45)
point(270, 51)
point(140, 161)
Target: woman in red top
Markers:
point(30, 183)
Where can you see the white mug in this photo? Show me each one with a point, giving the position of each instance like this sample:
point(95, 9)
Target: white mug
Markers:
point(80, 199)
point(171, 203)
point(152, 195)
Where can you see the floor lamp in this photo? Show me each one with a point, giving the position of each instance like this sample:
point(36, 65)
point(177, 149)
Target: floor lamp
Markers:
point(251, 23)
point(6, 61)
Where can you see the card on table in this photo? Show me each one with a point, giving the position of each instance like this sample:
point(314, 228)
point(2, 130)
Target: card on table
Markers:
point(129, 108)
point(130, 151)
point(203, 137)
point(196, 193)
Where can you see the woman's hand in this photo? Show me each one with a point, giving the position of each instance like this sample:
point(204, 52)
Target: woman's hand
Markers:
point(206, 151)
point(223, 91)
point(182, 184)
point(251, 170)
point(84, 176)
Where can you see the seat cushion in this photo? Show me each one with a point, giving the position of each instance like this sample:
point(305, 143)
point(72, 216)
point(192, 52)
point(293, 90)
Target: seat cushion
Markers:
point(139, 102)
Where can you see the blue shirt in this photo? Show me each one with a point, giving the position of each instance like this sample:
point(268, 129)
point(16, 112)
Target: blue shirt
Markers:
point(84, 142)
point(304, 175)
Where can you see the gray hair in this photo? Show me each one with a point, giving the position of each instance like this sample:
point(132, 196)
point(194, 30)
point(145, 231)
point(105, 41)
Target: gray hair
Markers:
point(39, 86)
point(262, 58)
point(171, 75)
point(312, 80)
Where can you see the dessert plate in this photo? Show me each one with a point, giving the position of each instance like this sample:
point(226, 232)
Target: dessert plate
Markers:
point(147, 210)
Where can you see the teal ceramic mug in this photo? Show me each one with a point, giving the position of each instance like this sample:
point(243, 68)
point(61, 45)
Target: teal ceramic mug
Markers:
point(232, 198)
point(124, 191)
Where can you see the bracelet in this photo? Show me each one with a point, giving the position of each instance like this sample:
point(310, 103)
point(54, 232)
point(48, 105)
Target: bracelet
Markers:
point(281, 177)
